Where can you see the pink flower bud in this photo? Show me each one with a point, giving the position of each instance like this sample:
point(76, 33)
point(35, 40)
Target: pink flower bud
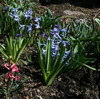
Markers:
point(11, 75)
point(10, 62)
point(16, 78)
point(7, 76)
point(12, 65)
point(14, 69)
point(5, 65)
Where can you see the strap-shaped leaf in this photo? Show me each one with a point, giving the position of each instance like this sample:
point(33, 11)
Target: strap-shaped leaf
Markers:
point(66, 60)
point(4, 54)
point(8, 46)
point(59, 60)
point(41, 61)
point(49, 13)
point(97, 20)
point(2, 46)
point(24, 43)
point(48, 56)
point(87, 66)
point(53, 75)
point(20, 42)
point(18, 86)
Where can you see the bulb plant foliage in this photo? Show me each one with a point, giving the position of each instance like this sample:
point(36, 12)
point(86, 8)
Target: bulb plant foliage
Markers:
point(14, 20)
point(22, 20)
point(13, 48)
point(54, 54)
point(46, 20)
point(16, 30)
point(59, 49)
point(88, 37)
point(52, 67)
point(59, 52)
point(11, 80)
point(4, 19)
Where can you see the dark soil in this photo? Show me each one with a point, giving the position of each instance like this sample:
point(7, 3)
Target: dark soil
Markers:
point(80, 84)
point(82, 3)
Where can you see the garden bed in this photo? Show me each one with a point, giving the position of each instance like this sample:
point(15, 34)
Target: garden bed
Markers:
point(82, 83)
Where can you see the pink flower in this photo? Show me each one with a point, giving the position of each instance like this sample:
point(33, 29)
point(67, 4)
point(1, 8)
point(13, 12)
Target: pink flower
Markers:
point(5, 65)
point(10, 62)
point(11, 76)
point(16, 78)
point(7, 76)
point(12, 65)
point(13, 68)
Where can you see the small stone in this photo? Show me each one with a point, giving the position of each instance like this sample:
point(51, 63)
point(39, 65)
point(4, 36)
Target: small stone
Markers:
point(59, 79)
point(26, 97)
point(69, 12)
point(6, 80)
point(38, 90)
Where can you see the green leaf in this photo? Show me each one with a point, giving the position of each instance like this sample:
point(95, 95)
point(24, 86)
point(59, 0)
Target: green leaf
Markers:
point(2, 90)
point(4, 54)
point(2, 46)
point(41, 61)
point(19, 86)
point(28, 58)
point(49, 13)
point(76, 49)
point(97, 20)
point(57, 19)
point(8, 46)
point(24, 62)
point(87, 66)
point(48, 56)
point(24, 43)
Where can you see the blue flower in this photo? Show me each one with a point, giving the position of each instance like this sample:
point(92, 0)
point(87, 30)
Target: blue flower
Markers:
point(11, 15)
point(19, 35)
point(65, 56)
point(29, 11)
point(16, 17)
point(57, 26)
point(6, 8)
point(28, 14)
point(37, 23)
point(67, 53)
point(37, 19)
point(63, 32)
point(37, 26)
point(43, 45)
point(15, 10)
point(66, 43)
point(56, 29)
point(57, 36)
point(49, 38)
point(56, 40)
point(22, 27)
point(44, 35)
point(44, 51)
point(29, 28)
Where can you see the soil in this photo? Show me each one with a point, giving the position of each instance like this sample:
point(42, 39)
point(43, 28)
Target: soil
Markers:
point(79, 84)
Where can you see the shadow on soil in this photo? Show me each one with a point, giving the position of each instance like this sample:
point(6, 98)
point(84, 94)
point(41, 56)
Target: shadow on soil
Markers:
point(81, 3)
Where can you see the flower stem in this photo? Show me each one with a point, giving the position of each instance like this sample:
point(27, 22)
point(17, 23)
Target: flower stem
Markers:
point(6, 95)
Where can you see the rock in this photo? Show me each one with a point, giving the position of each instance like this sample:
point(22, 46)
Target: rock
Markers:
point(82, 21)
point(69, 12)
